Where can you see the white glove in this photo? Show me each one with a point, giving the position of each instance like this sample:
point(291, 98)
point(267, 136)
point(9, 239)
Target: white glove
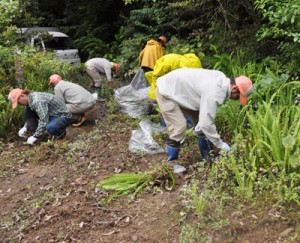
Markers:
point(31, 140)
point(22, 131)
point(95, 95)
point(224, 147)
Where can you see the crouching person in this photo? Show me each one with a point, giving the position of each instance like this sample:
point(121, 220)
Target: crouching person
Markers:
point(43, 112)
point(77, 99)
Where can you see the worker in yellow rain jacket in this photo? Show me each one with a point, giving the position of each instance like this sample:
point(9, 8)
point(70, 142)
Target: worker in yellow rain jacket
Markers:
point(151, 53)
point(168, 63)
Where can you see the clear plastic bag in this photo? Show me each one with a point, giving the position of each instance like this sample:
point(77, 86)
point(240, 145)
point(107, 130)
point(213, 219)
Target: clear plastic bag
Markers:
point(139, 81)
point(142, 141)
point(133, 102)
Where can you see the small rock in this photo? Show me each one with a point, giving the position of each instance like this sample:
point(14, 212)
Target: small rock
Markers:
point(134, 238)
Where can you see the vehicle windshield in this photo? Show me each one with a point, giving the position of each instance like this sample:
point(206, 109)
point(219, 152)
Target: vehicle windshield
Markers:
point(59, 43)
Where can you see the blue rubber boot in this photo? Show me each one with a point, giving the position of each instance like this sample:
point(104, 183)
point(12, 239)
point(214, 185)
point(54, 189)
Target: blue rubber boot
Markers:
point(162, 122)
point(172, 152)
point(173, 149)
point(205, 147)
point(188, 121)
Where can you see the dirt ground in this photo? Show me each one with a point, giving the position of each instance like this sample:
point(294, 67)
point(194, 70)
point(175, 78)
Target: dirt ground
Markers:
point(47, 193)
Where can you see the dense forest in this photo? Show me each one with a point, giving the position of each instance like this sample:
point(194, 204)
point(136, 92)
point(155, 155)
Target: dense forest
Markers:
point(251, 192)
point(118, 29)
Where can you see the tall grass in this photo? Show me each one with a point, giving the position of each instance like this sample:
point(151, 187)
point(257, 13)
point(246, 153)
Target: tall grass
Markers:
point(274, 133)
point(234, 65)
point(271, 145)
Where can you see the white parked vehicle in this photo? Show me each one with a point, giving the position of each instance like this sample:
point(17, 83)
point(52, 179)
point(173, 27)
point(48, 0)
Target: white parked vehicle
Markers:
point(51, 39)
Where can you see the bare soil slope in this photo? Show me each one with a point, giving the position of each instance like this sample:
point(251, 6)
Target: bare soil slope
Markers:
point(47, 193)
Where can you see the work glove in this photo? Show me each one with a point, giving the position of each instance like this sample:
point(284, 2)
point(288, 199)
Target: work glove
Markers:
point(22, 132)
point(31, 140)
point(177, 169)
point(224, 148)
point(95, 95)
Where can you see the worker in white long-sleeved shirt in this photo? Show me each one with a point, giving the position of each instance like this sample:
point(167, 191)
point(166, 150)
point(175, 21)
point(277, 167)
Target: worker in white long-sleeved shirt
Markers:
point(95, 66)
point(197, 92)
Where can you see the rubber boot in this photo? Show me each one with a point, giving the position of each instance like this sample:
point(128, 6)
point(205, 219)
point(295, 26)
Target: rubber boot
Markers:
point(162, 122)
point(205, 147)
point(188, 121)
point(172, 152)
point(173, 149)
point(173, 155)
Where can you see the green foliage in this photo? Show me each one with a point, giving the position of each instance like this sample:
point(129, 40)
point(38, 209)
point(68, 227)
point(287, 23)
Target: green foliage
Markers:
point(39, 66)
point(8, 11)
point(92, 46)
point(8, 37)
point(129, 53)
point(206, 205)
point(9, 118)
point(282, 24)
point(274, 135)
point(181, 46)
point(269, 150)
point(7, 68)
point(227, 119)
point(283, 19)
point(267, 86)
point(236, 64)
point(190, 234)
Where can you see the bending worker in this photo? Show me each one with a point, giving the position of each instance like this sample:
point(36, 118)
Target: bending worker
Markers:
point(166, 64)
point(43, 112)
point(197, 92)
point(77, 99)
point(95, 66)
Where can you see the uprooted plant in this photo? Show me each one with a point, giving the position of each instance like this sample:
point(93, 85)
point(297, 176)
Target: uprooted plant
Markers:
point(119, 185)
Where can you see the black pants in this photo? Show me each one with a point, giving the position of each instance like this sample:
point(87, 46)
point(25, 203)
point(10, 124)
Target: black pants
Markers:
point(31, 119)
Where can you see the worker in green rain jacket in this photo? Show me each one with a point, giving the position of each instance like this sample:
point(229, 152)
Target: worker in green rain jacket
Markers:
point(168, 63)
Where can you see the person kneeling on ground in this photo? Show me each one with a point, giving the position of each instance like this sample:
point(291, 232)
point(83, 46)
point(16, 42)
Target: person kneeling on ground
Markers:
point(197, 92)
point(44, 112)
point(77, 99)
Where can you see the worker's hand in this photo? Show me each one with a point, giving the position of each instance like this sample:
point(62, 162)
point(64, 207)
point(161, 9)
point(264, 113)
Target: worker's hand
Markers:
point(224, 147)
point(22, 132)
point(31, 140)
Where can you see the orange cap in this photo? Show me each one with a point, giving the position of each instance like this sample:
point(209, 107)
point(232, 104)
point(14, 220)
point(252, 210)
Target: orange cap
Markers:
point(163, 39)
point(116, 67)
point(14, 96)
point(54, 78)
point(244, 85)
